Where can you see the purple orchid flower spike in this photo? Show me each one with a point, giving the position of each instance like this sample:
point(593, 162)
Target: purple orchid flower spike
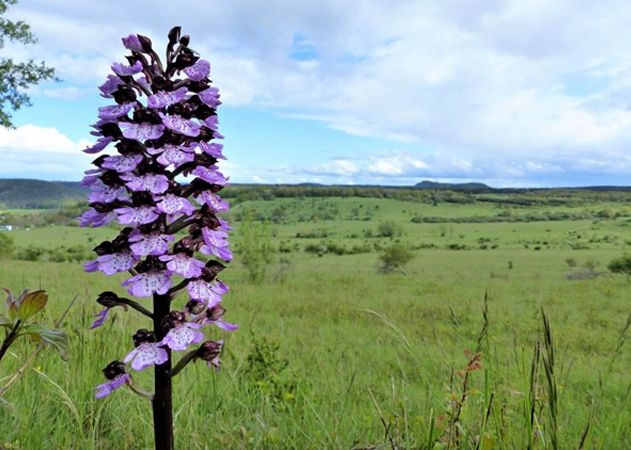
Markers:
point(161, 126)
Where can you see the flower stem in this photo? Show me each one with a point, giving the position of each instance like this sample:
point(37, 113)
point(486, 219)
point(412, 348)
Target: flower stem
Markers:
point(13, 334)
point(162, 401)
point(137, 306)
point(183, 362)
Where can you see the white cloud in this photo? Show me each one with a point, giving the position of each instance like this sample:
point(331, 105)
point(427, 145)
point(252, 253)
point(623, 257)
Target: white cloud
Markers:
point(31, 151)
point(486, 85)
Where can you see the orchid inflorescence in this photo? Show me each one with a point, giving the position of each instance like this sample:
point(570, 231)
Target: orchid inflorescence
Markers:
point(161, 125)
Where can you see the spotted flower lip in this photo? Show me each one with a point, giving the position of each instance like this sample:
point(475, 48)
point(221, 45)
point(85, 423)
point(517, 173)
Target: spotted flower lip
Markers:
point(122, 163)
point(210, 97)
point(154, 183)
point(183, 265)
point(145, 355)
point(182, 336)
point(162, 99)
point(154, 243)
point(141, 131)
point(114, 111)
point(148, 283)
point(172, 204)
point(112, 263)
point(180, 125)
point(137, 216)
point(213, 149)
point(110, 86)
point(92, 218)
point(202, 291)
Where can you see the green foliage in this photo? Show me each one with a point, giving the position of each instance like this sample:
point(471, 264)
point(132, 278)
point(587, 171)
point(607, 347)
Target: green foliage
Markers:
point(17, 322)
point(15, 77)
point(621, 265)
point(389, 229)
point(395, 258)
point(254, 248)
point(6, 245)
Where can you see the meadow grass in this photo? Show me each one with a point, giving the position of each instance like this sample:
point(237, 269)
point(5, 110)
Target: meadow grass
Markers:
point(337, 356)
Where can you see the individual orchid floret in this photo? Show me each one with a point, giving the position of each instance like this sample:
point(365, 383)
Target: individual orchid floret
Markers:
point(172, 204)
point(198, 71)
point(110, 86)
point(112, 112)
point(214, 202)
point(209, 351)
point(108, 300)
point(154, 243)
point(122, 163)
point(216, 243)
point(93, 218)
point(180, 125)
point(141, 215)
point(175, 155)
point(132, 43)
point(214, 316)
point(210, 97)
point(212, 149)
point(182, 336)
point(112, 263)
point(141, 131)
point(183, 265)
point(148, 283)
point(99, 146)
point(202, 291)
point(122, 70)
point(102, 193)
point(147, 353)
point(151, 182)
point(210, 174)
point(117, 377)
point(162, 99)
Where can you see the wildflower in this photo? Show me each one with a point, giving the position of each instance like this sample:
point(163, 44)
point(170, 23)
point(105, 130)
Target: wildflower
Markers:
point(147, 353)
point(182, 336)
point(117, 376)
point(209, 351)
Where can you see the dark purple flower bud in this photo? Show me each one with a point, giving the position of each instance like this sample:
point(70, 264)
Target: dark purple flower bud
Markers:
point(185, 59)
point(185, 40)
point(209, 351)
point(173, 319)
point(143, 335)
point(108, 299)
point(195, 307)
point(174, 34)
point(114, 369)
point(145, 43)
point(124, 94)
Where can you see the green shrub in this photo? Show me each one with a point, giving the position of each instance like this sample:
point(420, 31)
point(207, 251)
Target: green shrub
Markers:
point(394, 259)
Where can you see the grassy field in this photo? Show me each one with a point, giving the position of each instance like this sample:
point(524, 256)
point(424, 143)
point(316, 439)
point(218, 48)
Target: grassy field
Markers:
point(332, 354)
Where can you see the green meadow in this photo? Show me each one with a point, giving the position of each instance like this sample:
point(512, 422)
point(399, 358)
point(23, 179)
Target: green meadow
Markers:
point(334, 354)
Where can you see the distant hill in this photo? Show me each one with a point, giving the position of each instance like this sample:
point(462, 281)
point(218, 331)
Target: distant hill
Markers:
point(20, 193)
point(463, 187)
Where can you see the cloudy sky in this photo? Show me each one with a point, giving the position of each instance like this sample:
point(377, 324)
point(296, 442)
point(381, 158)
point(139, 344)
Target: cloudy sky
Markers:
point(510, 92)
